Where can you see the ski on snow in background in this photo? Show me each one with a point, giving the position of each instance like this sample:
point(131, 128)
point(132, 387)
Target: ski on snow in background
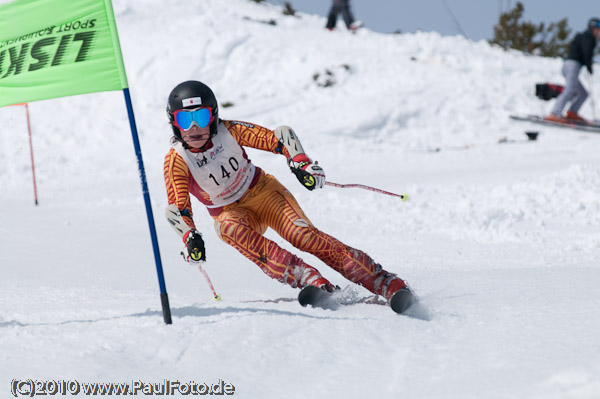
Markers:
point(587, 127)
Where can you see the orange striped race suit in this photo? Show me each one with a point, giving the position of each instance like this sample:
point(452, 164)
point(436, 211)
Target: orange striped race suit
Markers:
point(263, 203)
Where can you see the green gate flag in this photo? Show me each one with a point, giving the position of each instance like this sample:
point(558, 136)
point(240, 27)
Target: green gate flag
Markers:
point(57, 48)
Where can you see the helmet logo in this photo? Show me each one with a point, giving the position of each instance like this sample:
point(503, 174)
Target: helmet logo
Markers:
point(192, 101)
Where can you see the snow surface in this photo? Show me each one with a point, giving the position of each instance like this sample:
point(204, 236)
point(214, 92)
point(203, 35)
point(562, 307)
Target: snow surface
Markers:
point(500, 240)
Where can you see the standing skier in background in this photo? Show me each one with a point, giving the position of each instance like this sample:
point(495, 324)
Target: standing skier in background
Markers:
point(581, 53)
point(342, 6)
point(207, 159)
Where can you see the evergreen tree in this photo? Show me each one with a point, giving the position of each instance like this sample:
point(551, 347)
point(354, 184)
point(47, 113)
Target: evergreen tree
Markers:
point(553, 40)
point(511, 32)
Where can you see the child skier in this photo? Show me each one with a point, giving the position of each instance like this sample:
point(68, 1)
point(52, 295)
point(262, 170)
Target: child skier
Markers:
point(207, 160)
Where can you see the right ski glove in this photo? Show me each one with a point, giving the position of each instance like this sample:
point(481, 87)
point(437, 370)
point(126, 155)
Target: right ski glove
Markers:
point(194, 247)
point(310, 175)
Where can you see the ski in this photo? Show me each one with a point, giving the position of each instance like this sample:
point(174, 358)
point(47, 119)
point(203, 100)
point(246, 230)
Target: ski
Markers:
point(316, 297)
point(591, 128)
point(402, 300)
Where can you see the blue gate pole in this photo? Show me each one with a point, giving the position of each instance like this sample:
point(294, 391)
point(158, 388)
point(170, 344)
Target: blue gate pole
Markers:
point(164, 298)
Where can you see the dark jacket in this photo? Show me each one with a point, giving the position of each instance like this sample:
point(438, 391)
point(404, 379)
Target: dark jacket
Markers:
point(582, 49)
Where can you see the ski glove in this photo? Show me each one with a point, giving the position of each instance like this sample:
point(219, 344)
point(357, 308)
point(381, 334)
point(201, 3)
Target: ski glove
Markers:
point(310, 175)
point(194, 246)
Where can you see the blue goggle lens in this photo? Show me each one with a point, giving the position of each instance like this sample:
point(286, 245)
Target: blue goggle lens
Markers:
point(201, 116)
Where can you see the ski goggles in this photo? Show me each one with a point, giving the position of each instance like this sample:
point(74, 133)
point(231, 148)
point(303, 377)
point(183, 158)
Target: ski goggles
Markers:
point(186, 118)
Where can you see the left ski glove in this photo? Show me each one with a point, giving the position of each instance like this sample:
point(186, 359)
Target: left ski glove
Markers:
point(194, 246)
point(310, 174)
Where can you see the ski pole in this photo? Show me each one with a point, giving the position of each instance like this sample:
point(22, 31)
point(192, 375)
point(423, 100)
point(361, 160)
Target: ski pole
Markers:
point(404, 197)
point(216, 296)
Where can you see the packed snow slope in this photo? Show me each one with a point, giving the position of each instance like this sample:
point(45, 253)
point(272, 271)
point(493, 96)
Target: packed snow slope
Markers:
point(500, 238)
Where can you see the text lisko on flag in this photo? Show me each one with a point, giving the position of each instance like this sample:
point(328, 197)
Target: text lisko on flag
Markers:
point(49, 51)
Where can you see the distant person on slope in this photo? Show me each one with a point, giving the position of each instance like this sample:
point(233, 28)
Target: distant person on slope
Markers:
point(581, 53)
point(207, 159)
point(342, 6)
